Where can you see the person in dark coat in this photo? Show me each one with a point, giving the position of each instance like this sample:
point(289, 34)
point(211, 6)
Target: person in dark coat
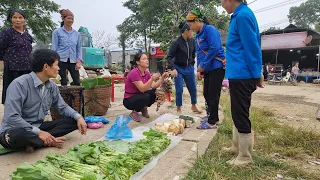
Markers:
point(15, 49)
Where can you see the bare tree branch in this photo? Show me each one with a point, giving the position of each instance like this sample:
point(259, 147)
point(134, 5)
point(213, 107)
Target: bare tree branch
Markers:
point(101, 39)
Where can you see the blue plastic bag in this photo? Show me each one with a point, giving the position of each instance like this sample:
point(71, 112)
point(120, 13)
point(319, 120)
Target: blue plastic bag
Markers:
point(120, 130)
point(95, 119)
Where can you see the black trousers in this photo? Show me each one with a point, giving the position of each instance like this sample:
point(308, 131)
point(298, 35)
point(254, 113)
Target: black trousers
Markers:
point(8, 77)
point(71, 67)
point(139, 101)
point(19, 138)
point(211, 92)
point(240, 94)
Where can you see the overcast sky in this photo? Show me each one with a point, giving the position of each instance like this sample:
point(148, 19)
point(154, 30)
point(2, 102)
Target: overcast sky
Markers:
point(105, 15)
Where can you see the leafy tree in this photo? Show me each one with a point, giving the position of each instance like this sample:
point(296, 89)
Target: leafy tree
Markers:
point(38, 14)
point(220, 21)
point(169, 14)
point(139, 27)
point(318, 27)
point(125, 38)
point(307, 15)
point(159, 20)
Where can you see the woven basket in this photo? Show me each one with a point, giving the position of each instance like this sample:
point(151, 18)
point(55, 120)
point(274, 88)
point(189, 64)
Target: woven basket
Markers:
point(97, 100)
point(73, 96)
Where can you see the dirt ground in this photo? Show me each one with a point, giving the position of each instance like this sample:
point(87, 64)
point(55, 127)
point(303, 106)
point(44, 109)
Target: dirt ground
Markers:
point(293, 105)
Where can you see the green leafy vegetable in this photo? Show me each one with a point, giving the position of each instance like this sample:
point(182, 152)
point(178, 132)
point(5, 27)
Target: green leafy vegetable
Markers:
point(186, 118)
point(96, 161)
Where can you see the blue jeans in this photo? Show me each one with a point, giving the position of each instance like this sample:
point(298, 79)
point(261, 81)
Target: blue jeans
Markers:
point(187, 75)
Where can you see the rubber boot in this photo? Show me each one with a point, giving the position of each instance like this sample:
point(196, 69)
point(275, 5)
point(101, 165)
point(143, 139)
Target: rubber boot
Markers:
point(234, 149)
point(246, 142)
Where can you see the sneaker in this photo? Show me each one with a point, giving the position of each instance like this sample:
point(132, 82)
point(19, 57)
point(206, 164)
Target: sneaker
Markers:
point(135, 116)
point(145, 113)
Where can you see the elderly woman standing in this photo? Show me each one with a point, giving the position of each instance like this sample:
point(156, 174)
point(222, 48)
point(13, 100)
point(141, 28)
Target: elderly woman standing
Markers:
point(210, 61)
point(244, 64)
point(15, 49)
point(67, 42)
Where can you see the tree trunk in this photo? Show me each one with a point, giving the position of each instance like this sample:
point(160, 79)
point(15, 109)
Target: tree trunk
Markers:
point(123, 45)
point(123, 57)
point(145, 41)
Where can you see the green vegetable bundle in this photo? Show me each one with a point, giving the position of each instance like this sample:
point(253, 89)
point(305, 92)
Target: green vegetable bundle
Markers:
point(91, 82)
point(186, 118)
point(95, 161)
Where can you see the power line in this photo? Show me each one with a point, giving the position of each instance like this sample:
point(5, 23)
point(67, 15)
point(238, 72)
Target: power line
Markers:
point(252, 2)
point(273, 23)
point(281, 4)
point(262, 29)
point(276, 5)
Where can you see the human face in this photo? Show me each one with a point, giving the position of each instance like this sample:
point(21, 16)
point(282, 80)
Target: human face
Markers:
point(68, 21)
point(52, 71)
point(143, 62)
point(228, 5)
point(18, 20)
point(194, 25)
point(189, 33)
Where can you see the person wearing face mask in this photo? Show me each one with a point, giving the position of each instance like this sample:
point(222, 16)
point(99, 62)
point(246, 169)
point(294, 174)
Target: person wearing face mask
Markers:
point(243, 70)
point(15, 49)
point(210, 62)
point(180, 61)
point(67, 42)
point(140, 87)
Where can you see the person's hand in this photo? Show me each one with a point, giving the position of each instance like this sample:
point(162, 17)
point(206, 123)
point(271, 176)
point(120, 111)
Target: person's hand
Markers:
point(164, 76)
point(155, 76)
point(47, 138)
point(78, 65)
point(200, 69)
point(199, 77)
point(82, 126)
point(260, 82)
point(174, 73)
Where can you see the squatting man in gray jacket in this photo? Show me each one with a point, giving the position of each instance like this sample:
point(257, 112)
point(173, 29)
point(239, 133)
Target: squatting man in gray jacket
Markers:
point(29, 97)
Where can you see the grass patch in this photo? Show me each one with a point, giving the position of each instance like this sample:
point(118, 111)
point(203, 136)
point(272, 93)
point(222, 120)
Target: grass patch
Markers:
point(270, 137)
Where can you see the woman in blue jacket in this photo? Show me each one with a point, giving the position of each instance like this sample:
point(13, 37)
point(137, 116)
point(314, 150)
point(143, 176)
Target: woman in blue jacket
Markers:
point(210, 62)
point(243, 69)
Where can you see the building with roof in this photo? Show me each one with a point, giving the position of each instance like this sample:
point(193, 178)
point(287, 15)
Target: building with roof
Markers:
point(290, 45)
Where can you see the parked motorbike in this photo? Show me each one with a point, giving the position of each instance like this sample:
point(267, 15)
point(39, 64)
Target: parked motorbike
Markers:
point(290, 77)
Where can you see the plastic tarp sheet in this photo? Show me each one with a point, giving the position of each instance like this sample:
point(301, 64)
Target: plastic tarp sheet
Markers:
point(138, 135)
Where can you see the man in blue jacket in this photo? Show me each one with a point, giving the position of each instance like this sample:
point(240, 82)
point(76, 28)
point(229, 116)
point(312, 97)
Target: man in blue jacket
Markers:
point(244, 71)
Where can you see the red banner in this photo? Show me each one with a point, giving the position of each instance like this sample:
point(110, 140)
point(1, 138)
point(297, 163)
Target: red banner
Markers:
point(156, 52)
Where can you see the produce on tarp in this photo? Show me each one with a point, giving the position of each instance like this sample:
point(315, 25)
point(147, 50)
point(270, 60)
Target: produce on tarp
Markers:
point(96, 160)
point(189, 120)
point(175, 126)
